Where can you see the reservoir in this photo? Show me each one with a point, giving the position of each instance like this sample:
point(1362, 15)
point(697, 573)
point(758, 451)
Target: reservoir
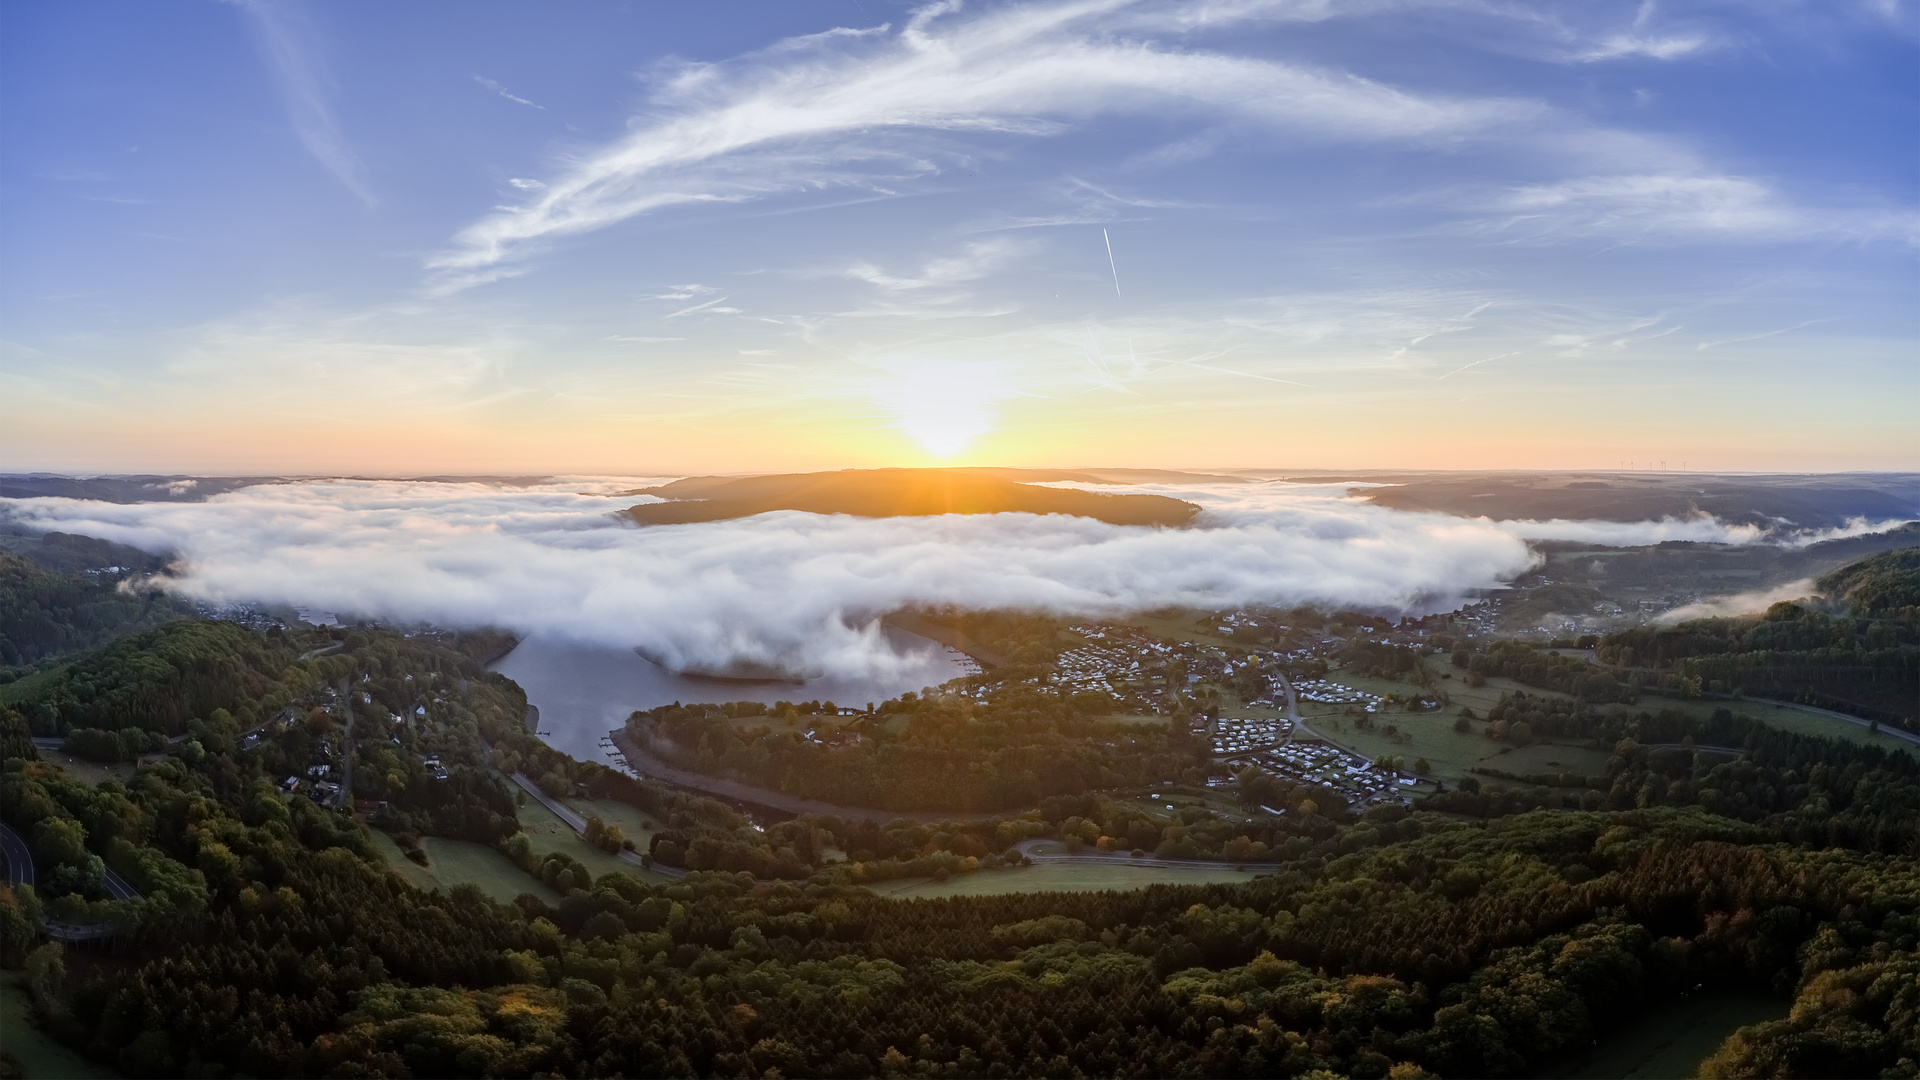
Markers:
point(585, 691)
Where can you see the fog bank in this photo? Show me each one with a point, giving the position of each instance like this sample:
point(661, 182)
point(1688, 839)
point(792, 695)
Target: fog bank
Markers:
point(794, 590)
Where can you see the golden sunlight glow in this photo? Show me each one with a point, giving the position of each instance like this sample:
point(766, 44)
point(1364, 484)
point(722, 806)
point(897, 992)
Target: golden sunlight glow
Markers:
point(944, 405)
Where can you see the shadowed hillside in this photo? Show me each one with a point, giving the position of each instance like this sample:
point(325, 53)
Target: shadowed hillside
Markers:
point(894, 493)
point(1803, 501)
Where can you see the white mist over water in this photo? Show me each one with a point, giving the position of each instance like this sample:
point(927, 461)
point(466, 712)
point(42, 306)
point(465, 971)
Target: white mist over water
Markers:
point(585, 691)
point(797, 591)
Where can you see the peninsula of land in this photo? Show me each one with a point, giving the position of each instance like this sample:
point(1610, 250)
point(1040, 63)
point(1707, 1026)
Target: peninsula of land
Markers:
point(894, 493)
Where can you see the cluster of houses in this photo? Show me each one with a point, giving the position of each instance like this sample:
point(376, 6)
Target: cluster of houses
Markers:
point(1234, 735)
point(1239, 620)
point(1118, 661)
point(833, 737)
point(1361, 781)
point(1335, 694)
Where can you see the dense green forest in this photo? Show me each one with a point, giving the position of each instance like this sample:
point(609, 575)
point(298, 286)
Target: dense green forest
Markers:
point(1494, 931)
point(1860, 653)
point(45, 614)
point(1408, 947)
point(938, 752)
point(160, 679)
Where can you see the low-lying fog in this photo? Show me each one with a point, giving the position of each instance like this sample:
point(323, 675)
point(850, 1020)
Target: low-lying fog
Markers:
point(793, 590)
point(585, 691)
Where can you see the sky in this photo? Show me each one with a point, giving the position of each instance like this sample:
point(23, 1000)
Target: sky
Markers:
point(650, 238)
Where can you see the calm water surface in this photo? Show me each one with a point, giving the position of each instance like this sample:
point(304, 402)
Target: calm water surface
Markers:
point(583, 691)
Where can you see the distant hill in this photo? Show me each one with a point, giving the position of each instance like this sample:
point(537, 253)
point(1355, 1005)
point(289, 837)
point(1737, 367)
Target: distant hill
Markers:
point(124, 489)
point(1812, 501)
point(894, 493)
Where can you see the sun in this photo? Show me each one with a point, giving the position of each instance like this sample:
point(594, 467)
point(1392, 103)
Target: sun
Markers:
point(944, 405)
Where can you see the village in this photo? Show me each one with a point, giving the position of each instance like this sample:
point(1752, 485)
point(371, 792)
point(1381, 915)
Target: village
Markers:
point(1139, 669)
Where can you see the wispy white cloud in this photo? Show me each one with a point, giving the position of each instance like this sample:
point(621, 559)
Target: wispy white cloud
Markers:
point(1705, 345)
point(710, 306)
point(1622, 46)
point(290, 47)
point(1683, 204)
point(505, 93)
point(867, 109)
point(1644, 39)
point(1652, 204)
point(975, 260)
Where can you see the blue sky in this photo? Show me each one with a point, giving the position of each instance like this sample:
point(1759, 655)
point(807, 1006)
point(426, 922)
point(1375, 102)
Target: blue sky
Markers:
point(666, 237)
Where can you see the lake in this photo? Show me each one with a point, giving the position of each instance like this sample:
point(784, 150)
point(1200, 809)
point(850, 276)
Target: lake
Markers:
point(585, 691)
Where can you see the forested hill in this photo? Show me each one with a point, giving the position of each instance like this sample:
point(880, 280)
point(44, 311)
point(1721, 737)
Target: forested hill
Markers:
point(270, 937)
point(1860, 651)
point(45, 613)
point(1885, 586)
point(159, 679)
point(895, 493)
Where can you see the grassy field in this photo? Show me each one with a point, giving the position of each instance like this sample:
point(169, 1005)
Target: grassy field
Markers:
point(416, 875)
point(638, 826)
point(550, 834)
point(40, 1058)
point(1450, 753)
point(463, 862)
point(1671, 1041)
point(1786, 718)
point(1421, 735)
point(458, 862)
point(1549, 758)
point(1055, 877)
point(1142, 721)
point(89, 772)
point(1184, 626)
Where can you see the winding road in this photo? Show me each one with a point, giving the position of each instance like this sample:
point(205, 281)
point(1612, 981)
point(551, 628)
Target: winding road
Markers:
point(1885, 729)
point(20, 871)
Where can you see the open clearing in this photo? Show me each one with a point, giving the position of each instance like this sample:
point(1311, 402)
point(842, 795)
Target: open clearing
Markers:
point(633, 821)
point(1671, 1041)
point(1786, 718)
point(1482, 698)
point(40, 1057)
point(1548, 758)
point(416, 875)
point(463, 862)
point(90, 772)
point(1056, 877)
point(549, 834)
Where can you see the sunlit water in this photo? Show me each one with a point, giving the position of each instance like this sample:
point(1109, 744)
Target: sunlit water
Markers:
point(585, 691)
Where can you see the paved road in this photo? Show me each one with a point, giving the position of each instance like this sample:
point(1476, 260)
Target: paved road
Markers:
point(20, 872)
point(1299, 725)
point(579, 824)
point(1886, 728)
point(19, 857)
point(345, 798)
point(653, 768)
point(1037, 850)
point(118, 888)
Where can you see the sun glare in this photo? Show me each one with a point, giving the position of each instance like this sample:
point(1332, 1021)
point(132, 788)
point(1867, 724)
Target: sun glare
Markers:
point(944, 405)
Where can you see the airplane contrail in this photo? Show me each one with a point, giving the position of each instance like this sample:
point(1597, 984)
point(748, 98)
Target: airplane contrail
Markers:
point(1111, 264)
